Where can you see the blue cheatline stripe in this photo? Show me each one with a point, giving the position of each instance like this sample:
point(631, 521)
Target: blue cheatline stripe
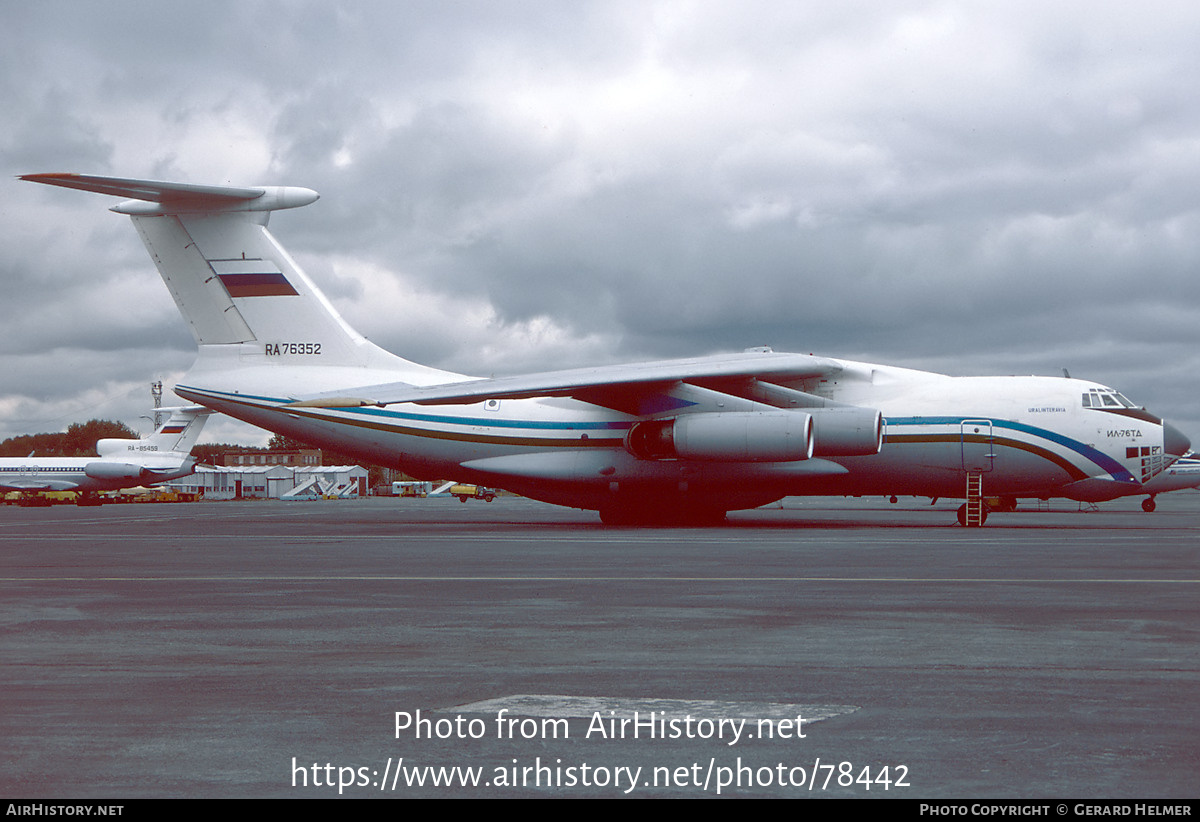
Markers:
point(616, 425)
point(493, 423)
point(1114, 468)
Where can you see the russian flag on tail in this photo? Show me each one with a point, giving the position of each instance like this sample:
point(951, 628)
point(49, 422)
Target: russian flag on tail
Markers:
point(252, 278)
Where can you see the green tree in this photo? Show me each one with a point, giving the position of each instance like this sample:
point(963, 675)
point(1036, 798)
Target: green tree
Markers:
point(79, 440)
point(282, 442)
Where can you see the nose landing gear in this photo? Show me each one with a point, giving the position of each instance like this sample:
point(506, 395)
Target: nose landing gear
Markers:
point(975, 522)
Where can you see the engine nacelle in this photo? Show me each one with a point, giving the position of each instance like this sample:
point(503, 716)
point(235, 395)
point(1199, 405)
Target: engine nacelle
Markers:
point(111, 446)
point(113, 471)
point(846, 432)
point(735, 436)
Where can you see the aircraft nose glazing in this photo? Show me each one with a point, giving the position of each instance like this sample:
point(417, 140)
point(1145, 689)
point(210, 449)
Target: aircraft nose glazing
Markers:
point(1175, 442)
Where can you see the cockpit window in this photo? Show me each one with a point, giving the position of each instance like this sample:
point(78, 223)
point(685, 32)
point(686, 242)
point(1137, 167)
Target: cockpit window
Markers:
point(1105, 398)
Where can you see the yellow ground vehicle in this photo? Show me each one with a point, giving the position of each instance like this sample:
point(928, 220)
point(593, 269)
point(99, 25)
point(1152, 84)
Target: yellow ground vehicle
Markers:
point(466, 492)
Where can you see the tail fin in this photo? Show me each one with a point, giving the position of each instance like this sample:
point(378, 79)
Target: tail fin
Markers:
point(178, 434)
point(233, 283)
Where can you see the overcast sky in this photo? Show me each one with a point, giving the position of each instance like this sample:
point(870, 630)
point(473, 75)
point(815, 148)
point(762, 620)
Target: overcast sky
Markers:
point(972, 188)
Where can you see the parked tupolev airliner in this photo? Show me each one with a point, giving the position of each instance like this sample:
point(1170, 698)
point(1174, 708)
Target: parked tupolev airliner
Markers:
point(1183, 473)
point(123, 463)
point(669, 441)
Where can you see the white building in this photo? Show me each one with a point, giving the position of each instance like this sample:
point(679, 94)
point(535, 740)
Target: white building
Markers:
point(274, 482)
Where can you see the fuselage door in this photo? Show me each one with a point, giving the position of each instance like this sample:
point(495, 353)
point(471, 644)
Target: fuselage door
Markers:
point(978, 453)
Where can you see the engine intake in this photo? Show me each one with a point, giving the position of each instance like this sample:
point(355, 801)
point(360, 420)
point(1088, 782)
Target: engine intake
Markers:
point(113, 470)
point(847, 432)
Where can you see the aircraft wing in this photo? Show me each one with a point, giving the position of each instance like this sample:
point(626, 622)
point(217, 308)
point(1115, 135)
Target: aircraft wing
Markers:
point(590, 384)
point(37, 485)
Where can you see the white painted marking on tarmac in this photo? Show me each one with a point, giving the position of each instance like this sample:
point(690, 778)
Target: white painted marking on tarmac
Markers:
point(558, 706)
point(685, 579)
point(757, 540)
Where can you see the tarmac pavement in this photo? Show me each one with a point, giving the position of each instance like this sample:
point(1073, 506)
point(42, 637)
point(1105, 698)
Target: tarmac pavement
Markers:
point(827, 648)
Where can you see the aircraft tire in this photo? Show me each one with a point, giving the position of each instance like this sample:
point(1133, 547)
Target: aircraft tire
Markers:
point(1148, 505)
point(962, 515)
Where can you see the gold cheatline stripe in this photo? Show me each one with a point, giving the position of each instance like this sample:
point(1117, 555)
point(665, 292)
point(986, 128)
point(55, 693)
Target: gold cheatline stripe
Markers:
point(1072, 470)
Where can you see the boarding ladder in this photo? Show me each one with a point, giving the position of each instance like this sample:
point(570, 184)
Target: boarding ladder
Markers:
point(974, 517)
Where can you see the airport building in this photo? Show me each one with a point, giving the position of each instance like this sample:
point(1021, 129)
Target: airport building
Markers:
point(289, 482)
point(298, 456)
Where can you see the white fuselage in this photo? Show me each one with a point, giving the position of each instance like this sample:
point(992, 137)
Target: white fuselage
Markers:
point(1027, 437)
point(91, 474)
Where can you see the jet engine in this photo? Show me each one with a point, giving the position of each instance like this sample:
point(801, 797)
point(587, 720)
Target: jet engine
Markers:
point(113, 471)
point(847, 432)
point(753, 436)
point(735, 436)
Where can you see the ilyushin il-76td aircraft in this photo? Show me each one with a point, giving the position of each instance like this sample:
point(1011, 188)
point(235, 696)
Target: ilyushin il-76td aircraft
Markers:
point(123, 463)
point(680, 441)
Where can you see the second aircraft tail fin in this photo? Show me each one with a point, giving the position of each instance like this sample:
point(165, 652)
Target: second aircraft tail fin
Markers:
point(177, 434)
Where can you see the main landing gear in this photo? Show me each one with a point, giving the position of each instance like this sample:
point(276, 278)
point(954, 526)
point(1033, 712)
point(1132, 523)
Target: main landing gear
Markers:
point(1148, 504)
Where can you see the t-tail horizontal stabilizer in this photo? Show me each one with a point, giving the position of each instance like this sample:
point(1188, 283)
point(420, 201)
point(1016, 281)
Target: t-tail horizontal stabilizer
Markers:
point(156, 197)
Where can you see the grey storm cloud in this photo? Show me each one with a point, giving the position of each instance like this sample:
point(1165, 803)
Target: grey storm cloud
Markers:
point(512, 186)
